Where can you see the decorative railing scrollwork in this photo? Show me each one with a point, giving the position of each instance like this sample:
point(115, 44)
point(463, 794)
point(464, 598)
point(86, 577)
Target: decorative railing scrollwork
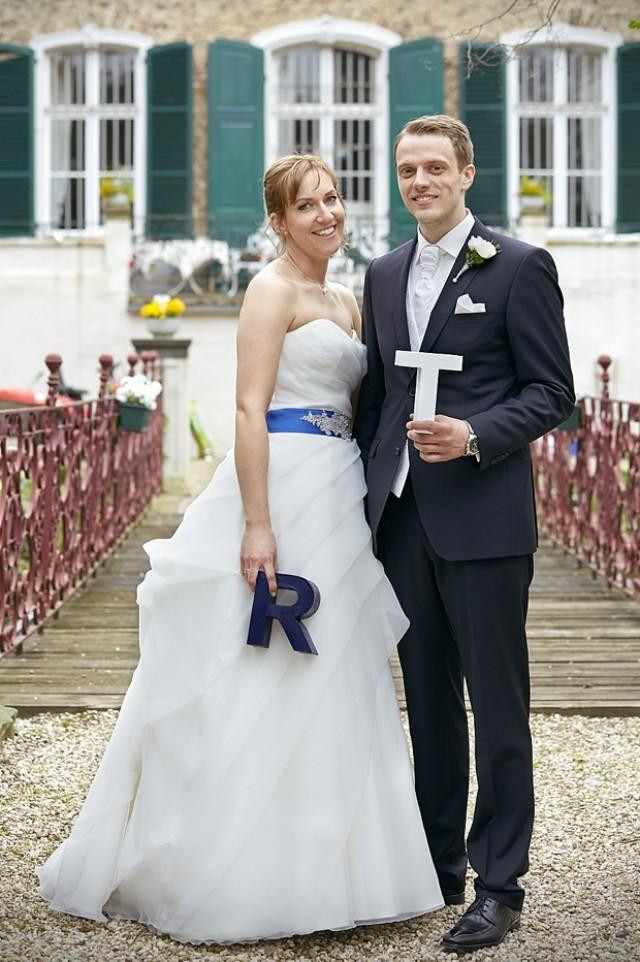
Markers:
point(71, 485)
point(587, 481)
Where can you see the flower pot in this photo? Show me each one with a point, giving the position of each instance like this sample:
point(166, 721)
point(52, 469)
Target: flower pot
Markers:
point(133, 417)
point(532, 202)
point(162, 326)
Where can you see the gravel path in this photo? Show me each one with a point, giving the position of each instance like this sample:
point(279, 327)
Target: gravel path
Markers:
point(584, 884)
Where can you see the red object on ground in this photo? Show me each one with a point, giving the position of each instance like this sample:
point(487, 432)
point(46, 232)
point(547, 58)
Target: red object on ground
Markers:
point(21, 398)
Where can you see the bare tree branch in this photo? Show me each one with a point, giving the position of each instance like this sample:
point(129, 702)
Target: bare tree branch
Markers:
point(495, 53)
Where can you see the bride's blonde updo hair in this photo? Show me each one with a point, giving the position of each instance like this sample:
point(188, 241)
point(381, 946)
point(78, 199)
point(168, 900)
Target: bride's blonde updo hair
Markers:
point(282, 181)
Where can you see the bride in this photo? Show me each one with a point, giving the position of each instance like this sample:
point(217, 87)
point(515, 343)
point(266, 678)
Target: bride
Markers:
point(252, 792)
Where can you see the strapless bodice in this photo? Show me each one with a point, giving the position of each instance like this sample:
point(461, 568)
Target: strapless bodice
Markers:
point(320, 366)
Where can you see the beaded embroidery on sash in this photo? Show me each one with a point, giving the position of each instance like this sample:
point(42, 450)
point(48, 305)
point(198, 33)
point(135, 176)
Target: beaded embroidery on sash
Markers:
point(334, 424)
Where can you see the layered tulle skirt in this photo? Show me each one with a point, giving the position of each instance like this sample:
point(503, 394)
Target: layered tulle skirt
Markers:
point(251, 792)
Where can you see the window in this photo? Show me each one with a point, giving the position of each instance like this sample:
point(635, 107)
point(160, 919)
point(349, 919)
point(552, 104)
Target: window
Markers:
point(326, 93)
point(562, 146)
point(333, 117)
point(560, 99)
point(90, 101)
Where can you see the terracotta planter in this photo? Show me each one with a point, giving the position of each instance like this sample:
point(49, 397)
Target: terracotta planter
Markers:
point(133, 417)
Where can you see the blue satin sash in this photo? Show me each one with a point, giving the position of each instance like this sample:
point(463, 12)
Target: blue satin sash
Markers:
point(309, 421)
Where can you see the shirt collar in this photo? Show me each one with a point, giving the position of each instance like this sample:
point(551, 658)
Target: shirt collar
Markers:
point(451, 243)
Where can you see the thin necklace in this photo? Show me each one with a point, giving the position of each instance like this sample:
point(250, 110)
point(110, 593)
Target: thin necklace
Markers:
point(324, 287)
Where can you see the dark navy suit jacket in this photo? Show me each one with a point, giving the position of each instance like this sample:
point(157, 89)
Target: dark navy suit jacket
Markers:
point(516, 384)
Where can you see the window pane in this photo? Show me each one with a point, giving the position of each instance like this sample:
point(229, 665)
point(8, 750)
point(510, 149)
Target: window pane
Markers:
point(584, 201)
point(353, 158)
point(585, 77)
point(535, 76)
point(67, 203)
point(353, 76)
point(67, 145)
point(299, 76)
point(585, 144)
point(298, 136)
point(536, 163)
point(116, 77)
point(68, 78)
point(116, 144)
point(536, 143)
point(584, 183)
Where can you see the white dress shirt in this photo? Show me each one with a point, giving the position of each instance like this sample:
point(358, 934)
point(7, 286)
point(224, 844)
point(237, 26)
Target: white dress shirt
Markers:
point(420, 303)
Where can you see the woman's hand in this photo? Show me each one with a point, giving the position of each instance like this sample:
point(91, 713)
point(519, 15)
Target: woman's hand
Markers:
point(259, 551)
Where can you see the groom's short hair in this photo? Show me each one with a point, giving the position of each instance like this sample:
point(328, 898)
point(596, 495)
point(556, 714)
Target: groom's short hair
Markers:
point(450, 127)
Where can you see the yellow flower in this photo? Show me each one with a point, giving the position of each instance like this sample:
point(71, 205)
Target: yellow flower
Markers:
point(108, 187)
point(151, 309)
point(175, 306)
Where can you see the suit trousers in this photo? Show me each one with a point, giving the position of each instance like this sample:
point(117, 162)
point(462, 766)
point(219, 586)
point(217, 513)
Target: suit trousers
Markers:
point(467, 621)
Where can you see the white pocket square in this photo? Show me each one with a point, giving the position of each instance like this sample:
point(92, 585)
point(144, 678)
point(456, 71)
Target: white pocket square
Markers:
point(464, 305)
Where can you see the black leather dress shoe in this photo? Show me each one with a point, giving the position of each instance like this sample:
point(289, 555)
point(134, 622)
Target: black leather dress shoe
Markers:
point(485, 923)
point(453, 898)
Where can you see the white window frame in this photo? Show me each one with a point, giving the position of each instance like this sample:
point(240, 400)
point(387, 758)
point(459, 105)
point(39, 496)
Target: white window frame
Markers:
point(562, 35)
point(90, 39)
point(327, 32)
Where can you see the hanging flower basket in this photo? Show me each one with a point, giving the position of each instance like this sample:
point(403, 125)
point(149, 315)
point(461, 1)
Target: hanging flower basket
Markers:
point(136, 396)
point(133, 417)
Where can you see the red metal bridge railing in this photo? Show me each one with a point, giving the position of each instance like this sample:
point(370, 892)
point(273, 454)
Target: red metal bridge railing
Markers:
point(587, 480)
point(72, 483)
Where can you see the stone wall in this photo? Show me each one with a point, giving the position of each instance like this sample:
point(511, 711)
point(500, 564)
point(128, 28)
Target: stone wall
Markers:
point(201, 21)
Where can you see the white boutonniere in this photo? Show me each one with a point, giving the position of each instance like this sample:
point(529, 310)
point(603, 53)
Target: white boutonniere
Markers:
point(479, 251)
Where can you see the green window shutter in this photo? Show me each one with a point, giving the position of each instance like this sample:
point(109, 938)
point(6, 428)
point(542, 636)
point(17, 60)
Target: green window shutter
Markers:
point(629, 138)
point(16, 141)
point(415, 89)
point(235, 140)
point(169, 141)
point(482, 108)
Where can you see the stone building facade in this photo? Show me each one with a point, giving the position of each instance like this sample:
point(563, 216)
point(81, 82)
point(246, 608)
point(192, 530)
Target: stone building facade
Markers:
point(377, 30)
point(182, 104)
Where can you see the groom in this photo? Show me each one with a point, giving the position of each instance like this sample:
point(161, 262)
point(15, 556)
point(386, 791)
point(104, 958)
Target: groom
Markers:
point(451, 507)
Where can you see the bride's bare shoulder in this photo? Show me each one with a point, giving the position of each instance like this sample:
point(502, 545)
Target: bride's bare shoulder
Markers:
point(270, 279)
point(269, 298)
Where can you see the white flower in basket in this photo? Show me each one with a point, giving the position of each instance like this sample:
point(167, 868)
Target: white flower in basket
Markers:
point(138, 389)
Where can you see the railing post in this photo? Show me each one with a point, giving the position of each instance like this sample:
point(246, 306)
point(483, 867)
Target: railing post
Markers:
point(106, 367)
point(147, 362)
point(54, 363)
point(605, 363)
point(133, 360)
point(154, 359)
point(174, 401)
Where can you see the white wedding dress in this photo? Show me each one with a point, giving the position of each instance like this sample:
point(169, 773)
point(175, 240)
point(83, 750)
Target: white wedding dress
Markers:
point(252, 793)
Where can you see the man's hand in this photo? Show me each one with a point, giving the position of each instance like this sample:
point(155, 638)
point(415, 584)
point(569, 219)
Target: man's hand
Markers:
point(441, 440)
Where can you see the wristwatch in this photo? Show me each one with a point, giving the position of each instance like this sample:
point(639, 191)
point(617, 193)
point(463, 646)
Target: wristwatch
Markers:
point(471, 449)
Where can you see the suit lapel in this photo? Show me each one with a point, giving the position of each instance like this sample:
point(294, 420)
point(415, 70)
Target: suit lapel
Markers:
point(445, 305)
point(398, 296)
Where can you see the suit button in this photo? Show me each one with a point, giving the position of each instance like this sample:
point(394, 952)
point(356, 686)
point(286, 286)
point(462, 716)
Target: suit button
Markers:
point(412, 392)
point(397, 450)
